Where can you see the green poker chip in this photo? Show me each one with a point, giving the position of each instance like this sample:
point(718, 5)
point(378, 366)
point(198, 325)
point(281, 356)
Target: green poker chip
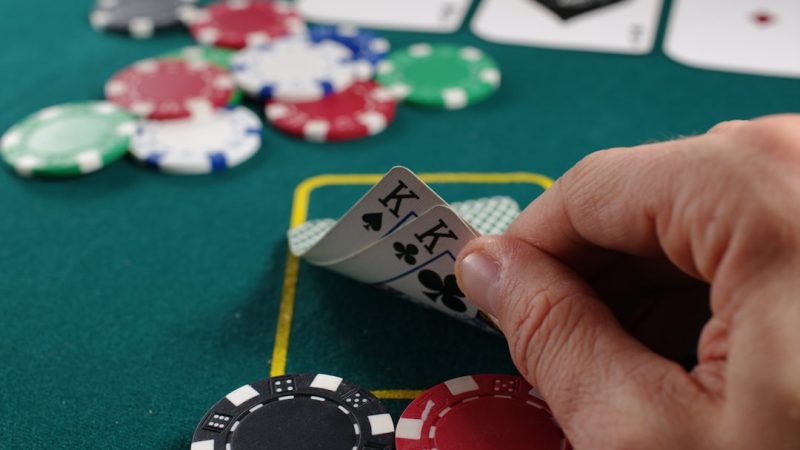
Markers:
point(440, 75)
point(217, 56)
point(68, 140)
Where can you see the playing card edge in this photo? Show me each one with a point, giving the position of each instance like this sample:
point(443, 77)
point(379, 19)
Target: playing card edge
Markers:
point(311, 16)
point(302, 193)
point(399, 172)
point(455, 206)
point(499, 39)
point(477, 27)
point(679, 54)
point(690, 62)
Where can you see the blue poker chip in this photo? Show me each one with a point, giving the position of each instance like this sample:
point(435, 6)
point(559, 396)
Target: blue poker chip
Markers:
point(297, 69)
point(210, 143)
point(364, 44)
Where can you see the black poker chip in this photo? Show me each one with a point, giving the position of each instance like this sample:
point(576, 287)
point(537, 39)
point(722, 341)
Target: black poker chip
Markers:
point(139, 18)
point(296, 412)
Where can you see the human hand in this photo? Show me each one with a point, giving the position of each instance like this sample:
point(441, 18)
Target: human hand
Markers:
point(637, 243)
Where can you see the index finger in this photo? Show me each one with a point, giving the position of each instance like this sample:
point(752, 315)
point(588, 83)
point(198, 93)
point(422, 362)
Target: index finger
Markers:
point(613, 201)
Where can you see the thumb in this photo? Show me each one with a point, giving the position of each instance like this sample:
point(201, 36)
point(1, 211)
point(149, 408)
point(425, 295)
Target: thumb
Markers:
point(598, 380)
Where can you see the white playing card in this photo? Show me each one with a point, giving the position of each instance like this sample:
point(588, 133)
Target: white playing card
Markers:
point(398, 197)
point(433, 16)
point(418, 261)
point(751, 36)
point(305, 236)
point(614, 26)
point(490, 215)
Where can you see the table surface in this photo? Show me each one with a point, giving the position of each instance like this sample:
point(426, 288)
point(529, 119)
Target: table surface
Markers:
point(132, 301)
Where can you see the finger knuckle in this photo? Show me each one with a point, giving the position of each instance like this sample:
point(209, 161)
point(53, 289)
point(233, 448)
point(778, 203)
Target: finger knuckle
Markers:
point(775, 139)
point(588, 166)
point(752, 180)
point(539, 324)
point(727, 126)
point(527, 314)
point(580, 186)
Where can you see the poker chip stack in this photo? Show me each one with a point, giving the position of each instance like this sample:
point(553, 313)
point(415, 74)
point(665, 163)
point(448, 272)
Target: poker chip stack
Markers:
point(318, 83)
point(189, 121)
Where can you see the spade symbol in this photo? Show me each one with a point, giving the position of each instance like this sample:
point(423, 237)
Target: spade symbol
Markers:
point(373, 221)
point(566, 9)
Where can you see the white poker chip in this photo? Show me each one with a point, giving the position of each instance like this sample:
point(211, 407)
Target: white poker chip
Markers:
point(219, 141)
point(297, 69)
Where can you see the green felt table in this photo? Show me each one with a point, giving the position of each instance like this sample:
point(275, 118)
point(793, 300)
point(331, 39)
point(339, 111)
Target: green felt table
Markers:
point(131, 301)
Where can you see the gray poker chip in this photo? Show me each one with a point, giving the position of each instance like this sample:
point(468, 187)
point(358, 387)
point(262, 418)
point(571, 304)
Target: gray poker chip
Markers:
point(139, 18)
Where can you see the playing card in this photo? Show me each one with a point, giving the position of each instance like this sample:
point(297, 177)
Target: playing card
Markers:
point(490, 215)
point(433, 16)
point(417, 261)
point(614, 26)
point(410, 246)
point(751, 36)
point(398, 197)
point(486, 215)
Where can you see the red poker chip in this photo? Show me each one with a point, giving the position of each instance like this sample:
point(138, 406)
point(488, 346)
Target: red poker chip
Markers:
point(170, 88)
point(480, 412)
point(238, 23)
point(364, 109)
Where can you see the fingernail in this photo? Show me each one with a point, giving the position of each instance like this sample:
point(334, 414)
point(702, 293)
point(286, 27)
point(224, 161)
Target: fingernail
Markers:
point(479, 273)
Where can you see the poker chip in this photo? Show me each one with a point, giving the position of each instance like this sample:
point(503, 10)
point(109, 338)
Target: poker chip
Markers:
point(479, 412)
point(170, 88)
point(239, 23)
point(222, 140)
point(68, 140)
point(297, 69)
point(213, 55)
point(364, 44)
point(304, 411)
point(140, 18)
point(440, 75)
point(218, 56)
point(364, 109)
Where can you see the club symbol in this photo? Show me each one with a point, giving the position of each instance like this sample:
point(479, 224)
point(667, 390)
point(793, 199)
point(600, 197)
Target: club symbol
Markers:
point(407, 253)
point(372, 221)
point(446, 288)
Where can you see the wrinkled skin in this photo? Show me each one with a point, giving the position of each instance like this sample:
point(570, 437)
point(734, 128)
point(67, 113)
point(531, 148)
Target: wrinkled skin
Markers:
point(637, 256)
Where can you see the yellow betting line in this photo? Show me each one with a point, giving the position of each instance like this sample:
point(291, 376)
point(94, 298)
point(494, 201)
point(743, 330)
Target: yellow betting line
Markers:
point(397, 394)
